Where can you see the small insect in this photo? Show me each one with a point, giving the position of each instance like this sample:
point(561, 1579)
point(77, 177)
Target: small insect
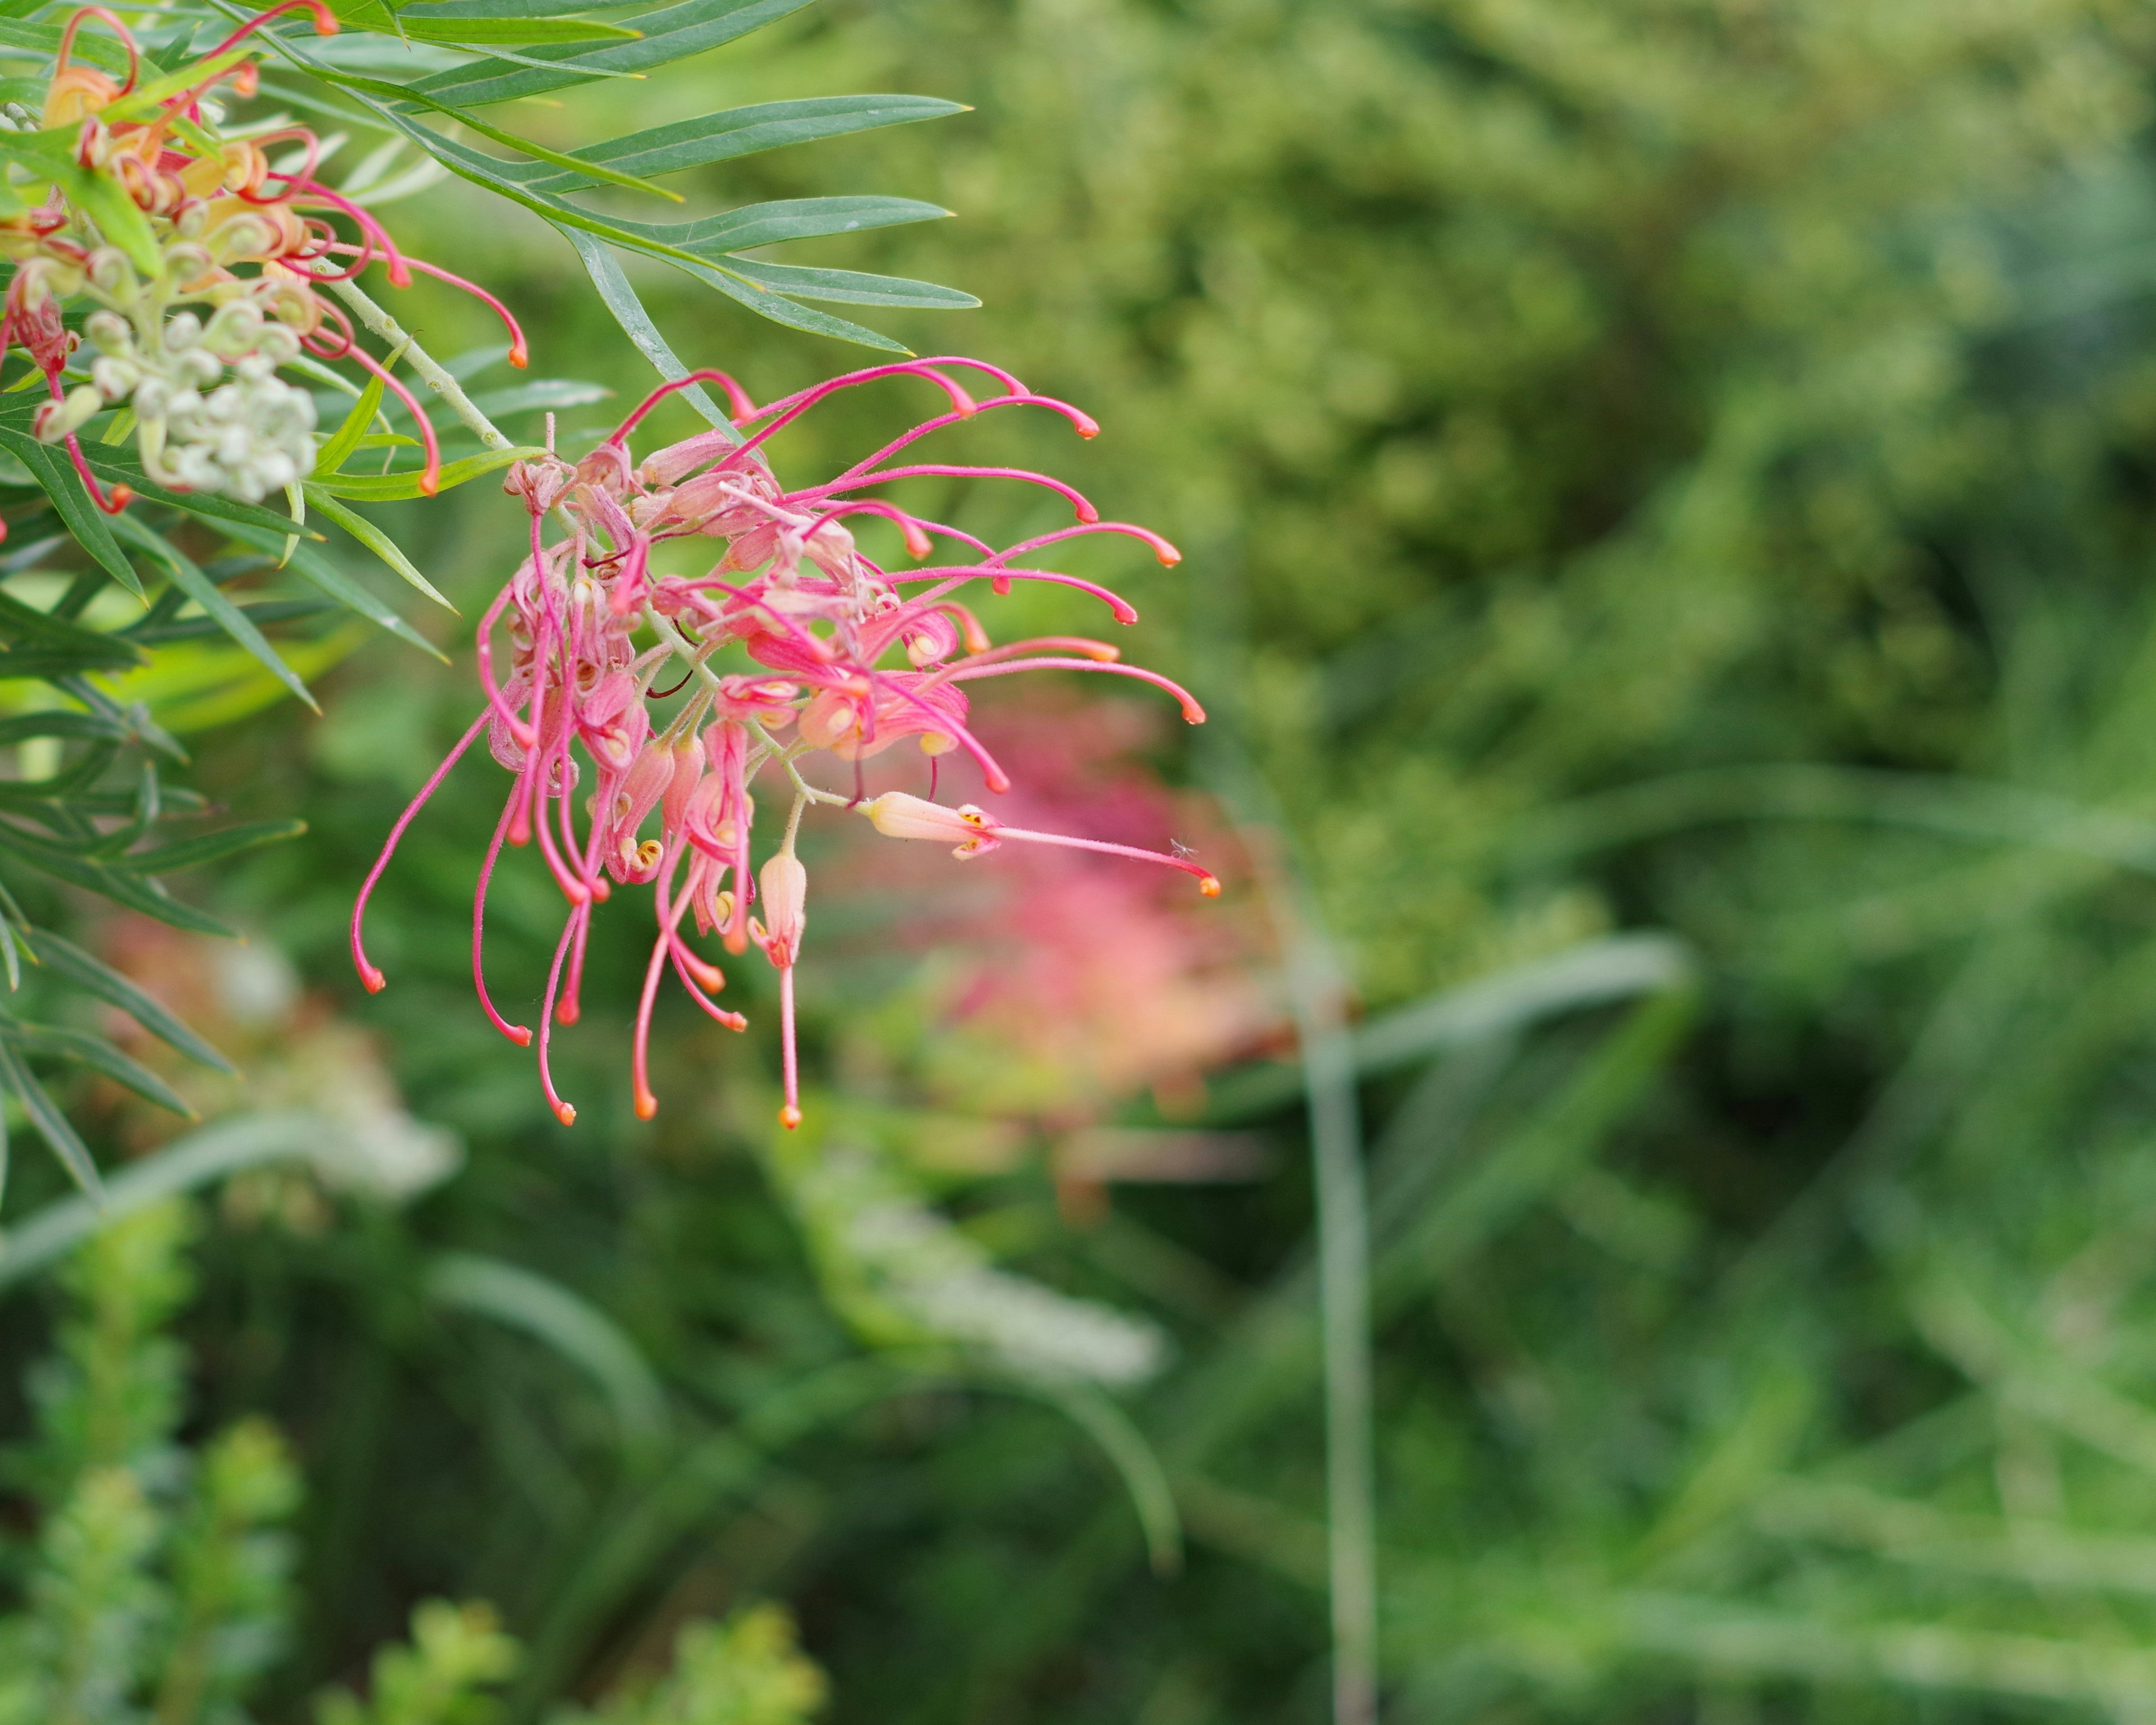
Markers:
point(1182, 849)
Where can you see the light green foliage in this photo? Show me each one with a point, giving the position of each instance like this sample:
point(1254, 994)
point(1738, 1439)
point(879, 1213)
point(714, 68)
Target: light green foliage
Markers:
point(456, 1655)
point(157, 1585)
point(746, 1670)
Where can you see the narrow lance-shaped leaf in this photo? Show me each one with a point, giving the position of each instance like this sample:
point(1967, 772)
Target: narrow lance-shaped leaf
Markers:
point(620, 299)
point(312, 565)
point(78, 514)
point(671, 34)
point(850, 287)
point(334, 454)
point(68, 960)
point(51, 1124)
point(205, 593)
point(742, 132)
point(208, 847)
point(55, 1043)
point(375, 541)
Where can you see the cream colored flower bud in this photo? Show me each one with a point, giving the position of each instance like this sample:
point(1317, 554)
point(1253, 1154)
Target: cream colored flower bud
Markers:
point(783, 886)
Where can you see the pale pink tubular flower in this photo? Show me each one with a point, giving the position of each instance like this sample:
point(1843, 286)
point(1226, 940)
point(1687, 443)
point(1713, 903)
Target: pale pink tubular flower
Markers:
point(826, 656)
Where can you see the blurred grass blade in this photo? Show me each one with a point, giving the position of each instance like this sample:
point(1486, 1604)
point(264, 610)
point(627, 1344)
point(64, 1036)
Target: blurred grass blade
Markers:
point(569, 1323)
point(109, 985)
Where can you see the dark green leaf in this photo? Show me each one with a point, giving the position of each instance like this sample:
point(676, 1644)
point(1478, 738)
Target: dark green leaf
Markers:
point(208, 847)
point(83, 518)
point(100, 979)
point(51, 1124)
point(205, 593)
point(95, 1052)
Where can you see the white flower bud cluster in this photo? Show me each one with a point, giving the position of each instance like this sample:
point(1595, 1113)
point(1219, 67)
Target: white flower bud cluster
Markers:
point(15, 117)
point(245, 435)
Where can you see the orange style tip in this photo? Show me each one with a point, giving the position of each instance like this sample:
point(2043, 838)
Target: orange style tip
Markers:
point(789, 1116)
point(123, 494)
point(567, 1013)
point(1087, 425)
point(1088, 514)
point(521, 1034)
point(430, 483)
point(374, 980)
point(520, 356)
point(1169, 557)
point(601, 889)
point(1208, 886)
point(400, 275)
point(565, 1113)
point(647, 1104)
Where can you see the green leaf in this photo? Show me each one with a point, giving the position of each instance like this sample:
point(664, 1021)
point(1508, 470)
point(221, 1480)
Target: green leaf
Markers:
point(108, 466)
point(100, 979)
point(849, 287)
point(671, 34)
point(542, 157)
point(334, 454)
point(392, 487)
point(377, 541)
point(27, 621)
point(312, 565)
point(208, 847)
point(117, 215)
point(745, 132)
point(787, 218)
point(83, 518)
point(206, 592)
point(620, 299)
point(96, 47)
point(480, 32)
point(60, 722)
point(780, 309)
point(95, 1052)
point(51, 1124)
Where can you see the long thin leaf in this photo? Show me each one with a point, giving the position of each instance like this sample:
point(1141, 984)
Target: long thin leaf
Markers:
point(375, 541)
point(780, 309)
point(850, 287)
point(312, 565)
point(206, 592)
point(565, 1322)
point(334, 454)
point(97, 1053)
point(745, 132)
point(51, 1124)
point(68, 960)
point(620, 299)
point(672, 33)
point(782, 219)
point(208, 847)
point(82, 517)
point(392, 487)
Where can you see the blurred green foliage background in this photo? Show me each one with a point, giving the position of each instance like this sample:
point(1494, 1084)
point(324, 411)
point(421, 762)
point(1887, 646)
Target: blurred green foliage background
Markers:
point(1668, 491)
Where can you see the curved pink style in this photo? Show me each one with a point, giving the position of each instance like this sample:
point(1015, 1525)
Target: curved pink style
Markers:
point(838, 663)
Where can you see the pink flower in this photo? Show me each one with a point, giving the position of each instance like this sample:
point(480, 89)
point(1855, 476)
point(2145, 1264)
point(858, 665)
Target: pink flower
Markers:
point(590, 628)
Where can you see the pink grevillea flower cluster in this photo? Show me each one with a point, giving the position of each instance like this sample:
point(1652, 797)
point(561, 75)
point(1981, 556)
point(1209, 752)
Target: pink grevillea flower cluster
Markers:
point(843, 658)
